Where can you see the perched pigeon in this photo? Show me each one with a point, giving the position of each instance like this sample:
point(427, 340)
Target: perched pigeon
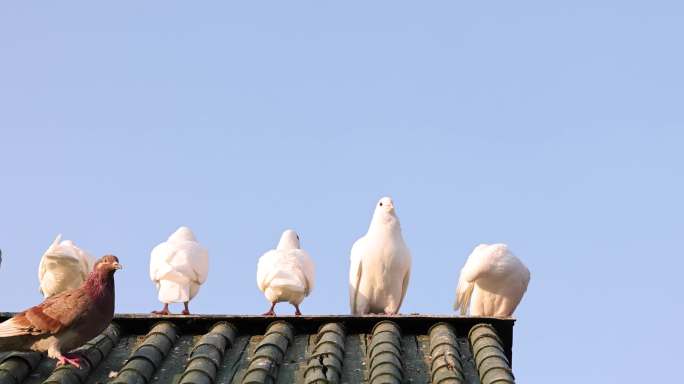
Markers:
point(178, 267)
point(492, 282)
point(380, 265)
point(66, 320)
point(286, 273)
point(64, 266)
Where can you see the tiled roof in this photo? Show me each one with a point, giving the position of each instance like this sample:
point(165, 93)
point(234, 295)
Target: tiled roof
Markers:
point(146, 349)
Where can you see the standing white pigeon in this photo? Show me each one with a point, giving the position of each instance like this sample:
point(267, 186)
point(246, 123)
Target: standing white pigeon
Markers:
point(492, 282)
point(380, 265)
point(286, 273)
point(178, 267)
point(64, 266)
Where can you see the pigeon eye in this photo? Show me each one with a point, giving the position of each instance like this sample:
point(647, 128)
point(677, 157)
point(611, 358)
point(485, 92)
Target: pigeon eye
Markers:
point(381, 204)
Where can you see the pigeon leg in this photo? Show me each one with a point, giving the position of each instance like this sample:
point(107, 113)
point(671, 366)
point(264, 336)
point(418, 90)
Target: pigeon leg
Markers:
point(74, 360)
point(297, 311)
point(164, 311)
point(271, 312)
point(186, 311)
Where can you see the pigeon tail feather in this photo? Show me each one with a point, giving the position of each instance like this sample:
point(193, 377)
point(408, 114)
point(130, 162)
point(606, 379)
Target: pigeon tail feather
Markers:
point(10, 328)
point(463, 297)
point(173, 292)
point(287, 283)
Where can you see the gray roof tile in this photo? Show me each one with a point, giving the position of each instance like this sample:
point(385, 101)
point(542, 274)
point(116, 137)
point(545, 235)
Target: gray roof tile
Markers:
point(15, 367)
point(143, 363)
point(327, 356)
point(490, 357)
point(445, 365)
point(149, 349)
point(206, 356)
point(269, 354)
point(384, 354)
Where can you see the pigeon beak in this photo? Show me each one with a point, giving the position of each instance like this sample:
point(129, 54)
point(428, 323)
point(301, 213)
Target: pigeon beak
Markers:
point(117, 265)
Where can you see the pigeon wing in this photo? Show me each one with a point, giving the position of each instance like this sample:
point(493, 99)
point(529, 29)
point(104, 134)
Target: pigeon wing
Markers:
point(264, 268)
point(355, 272)
point(475, 265)
point(159, 264)
point(55, 314)
point(404, 287)
point(308, 269)
point(42, 267)
point(199, 259)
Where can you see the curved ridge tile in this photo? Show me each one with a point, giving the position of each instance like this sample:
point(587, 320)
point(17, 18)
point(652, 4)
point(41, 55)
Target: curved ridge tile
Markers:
point(384, 354)
point(146, 359)
point(206, 356)
point(445, 364)
point(490, 358)
point(16, 366)
point(269, 354)
point(92, 353)
point(325, 363)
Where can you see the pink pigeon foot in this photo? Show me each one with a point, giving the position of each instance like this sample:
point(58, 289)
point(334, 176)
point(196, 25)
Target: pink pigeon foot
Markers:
point(73, 360)
point(271, 312)
point(186, 311)
point(164, 311)
point(297, 311)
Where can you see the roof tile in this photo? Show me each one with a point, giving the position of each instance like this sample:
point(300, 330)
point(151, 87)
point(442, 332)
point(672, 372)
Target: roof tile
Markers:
point(327, 357)
point(16, 366)
point(445, 363)
point(145, 360)
point(207, 355)
point(139, 349)
point(384, 354)
point(269, 354)
point(490, 357)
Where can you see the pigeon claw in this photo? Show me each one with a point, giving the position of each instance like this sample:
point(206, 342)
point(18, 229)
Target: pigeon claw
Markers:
point(162, 312)
point(165, 310)
point(73, 360)
point(271, 311)
point(185, 312)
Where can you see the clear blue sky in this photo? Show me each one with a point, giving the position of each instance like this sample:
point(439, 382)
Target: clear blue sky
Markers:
point(556, 127)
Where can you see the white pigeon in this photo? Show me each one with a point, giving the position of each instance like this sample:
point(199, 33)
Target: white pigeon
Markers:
point(380, 265)
point(286, 273)
point(178, 267)
point(492, 282)
point(63, 266)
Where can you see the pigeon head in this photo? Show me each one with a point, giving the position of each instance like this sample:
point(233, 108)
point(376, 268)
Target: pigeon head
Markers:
point(385, 205)
point(289, 240)
point(182, 234)
point(107, 264)
point(384, 214)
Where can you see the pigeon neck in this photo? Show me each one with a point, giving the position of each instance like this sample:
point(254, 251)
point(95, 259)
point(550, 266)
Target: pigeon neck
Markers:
point(100, 283)
point(383, 222)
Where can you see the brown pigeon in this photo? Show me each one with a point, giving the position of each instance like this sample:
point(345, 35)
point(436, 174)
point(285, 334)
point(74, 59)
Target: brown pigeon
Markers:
point(67, 320)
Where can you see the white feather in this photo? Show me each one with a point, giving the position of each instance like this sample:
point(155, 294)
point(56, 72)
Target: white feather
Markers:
point(179, 266)
point(63, 266)
point(286, 273)
point(380, 265)
point(492, 282)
